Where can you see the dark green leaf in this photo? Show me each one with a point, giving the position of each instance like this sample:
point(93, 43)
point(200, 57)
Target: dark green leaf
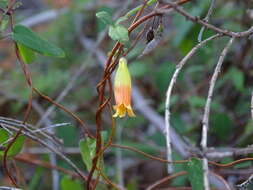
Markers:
point(27, 55)
point(195, 173)
point(118, 33)
point(105, 17)
point(70, 184)
point(30, 39)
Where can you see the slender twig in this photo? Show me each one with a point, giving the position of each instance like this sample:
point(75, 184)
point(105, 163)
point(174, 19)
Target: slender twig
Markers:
point(252, 105)
point(156, 184)
point(52, 156)
point(51, 127)
point(63, 94)
point(51, 148)
point(204, 23)
point(45, 164)
point(11, 122)
point(209, 13)
point(8, 188)
point(205, 121)
point(225, 184)
point(119, 163)
point(169, 91)
point(245, 184)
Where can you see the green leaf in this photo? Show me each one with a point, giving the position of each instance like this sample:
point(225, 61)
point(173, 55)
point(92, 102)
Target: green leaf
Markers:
point(3, 4)
point(16, 146)
point(68, 184)
point(3, 136)
point(118, 33)
point(27, 55)
point(121, 19)
point(88, 149)
point(195, 173)
point(105, 17)
point(30, 39)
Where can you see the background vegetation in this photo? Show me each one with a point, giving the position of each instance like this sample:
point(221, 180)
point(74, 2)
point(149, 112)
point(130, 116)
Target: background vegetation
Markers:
point(72, 82)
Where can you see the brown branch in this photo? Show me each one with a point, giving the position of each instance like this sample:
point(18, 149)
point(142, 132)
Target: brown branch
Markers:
point(156, 184)
point(24, 159)
point(205, 23)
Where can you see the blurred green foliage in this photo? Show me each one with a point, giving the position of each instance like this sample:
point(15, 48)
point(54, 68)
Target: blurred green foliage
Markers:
point(230, 123)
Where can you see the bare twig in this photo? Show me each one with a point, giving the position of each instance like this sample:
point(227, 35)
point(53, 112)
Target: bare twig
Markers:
point(225, 32)
point(245, 184)
point(63, 94)
point(52, 156)
point(43, 17)
point(119, 163)
point(47, 145)
point(8, 188)
point(224, 184)
point(169, 91)
point(156, 184)
point(252, 105)
point(205, 121)
point(210, 11)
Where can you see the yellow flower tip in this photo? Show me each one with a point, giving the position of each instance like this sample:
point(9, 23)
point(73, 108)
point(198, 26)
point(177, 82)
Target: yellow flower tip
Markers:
point(122, 109)
point(130, 111)
point(122, 90)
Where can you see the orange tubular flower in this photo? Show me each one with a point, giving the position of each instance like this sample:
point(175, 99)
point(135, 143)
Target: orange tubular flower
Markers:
point(122, 90)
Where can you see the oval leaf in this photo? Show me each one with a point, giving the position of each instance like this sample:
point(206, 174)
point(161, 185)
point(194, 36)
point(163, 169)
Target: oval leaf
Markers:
point(105, 17)
point(118, 33)
point(30, 39)
point(88, 149)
